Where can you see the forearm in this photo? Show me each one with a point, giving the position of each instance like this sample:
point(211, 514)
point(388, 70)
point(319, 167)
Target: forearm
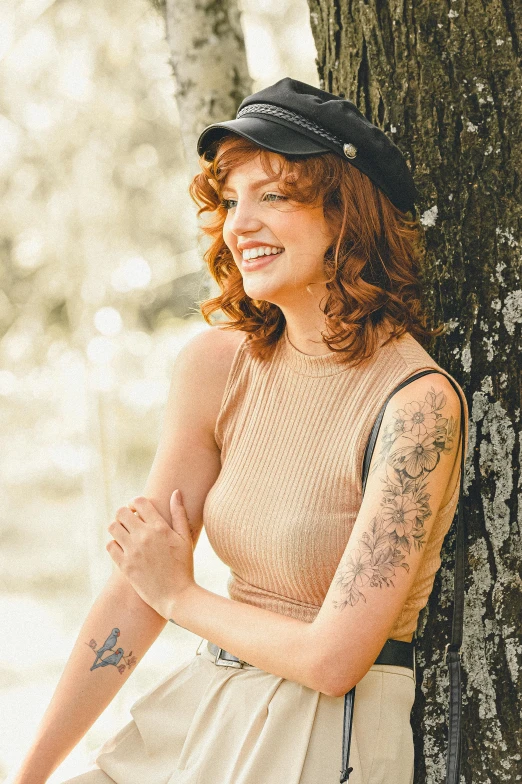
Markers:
point(274, 642)
point(83, 693)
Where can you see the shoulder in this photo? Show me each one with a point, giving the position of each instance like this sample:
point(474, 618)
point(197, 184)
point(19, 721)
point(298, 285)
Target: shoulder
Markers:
point(205, 362)
point(212, 350)
point(423, 403)
point(420, 423)
point(411, 351)
point(423, 389)
point(432, 395)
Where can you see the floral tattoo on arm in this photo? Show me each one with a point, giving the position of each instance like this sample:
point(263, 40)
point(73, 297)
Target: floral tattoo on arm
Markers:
point(411, 447)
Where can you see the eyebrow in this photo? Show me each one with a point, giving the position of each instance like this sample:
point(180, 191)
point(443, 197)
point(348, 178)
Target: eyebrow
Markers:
point(258, 183)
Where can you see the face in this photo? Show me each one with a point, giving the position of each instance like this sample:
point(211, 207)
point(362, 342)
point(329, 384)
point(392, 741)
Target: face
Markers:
point(258, 215)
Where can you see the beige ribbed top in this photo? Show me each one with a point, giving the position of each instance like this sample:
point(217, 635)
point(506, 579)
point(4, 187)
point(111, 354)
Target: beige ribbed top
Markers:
point(292, 432)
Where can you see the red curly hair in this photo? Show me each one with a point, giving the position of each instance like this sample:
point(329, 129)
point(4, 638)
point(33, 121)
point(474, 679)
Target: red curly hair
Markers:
point(372, 268)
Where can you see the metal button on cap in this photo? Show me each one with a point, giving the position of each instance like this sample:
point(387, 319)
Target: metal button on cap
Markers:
point(349, 150)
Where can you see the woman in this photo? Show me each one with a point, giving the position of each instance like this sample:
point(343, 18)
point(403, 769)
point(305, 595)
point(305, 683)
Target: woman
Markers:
point(265, 431)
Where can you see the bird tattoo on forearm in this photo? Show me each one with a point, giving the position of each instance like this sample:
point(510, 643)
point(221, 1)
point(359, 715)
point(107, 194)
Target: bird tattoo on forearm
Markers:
point(113, 658)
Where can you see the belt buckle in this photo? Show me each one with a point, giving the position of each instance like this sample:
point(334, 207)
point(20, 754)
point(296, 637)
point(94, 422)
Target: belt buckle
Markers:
point(226, 662)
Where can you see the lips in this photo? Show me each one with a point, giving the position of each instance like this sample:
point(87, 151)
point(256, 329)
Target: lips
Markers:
point(261, 261)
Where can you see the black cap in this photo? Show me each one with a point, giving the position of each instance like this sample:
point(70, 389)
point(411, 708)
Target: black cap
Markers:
point(295, 118)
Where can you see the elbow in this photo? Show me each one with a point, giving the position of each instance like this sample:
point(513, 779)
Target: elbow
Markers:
point(337, 688)
point(331, 679)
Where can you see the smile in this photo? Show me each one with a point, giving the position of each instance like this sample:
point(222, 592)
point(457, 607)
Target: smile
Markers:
point(260, 261)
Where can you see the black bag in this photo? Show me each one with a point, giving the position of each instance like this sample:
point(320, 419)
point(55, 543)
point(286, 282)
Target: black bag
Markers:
point(452, 650)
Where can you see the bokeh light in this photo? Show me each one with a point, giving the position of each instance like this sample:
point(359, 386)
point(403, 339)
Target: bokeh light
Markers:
point(100, 276)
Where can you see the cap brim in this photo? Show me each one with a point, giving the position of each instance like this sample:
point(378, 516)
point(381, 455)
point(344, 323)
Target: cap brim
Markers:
point(270, 134)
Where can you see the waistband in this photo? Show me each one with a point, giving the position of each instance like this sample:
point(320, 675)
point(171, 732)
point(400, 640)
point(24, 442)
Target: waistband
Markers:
point(397, 653)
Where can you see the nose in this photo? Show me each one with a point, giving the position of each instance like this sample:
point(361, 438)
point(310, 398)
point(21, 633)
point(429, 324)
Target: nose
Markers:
point(243, 218)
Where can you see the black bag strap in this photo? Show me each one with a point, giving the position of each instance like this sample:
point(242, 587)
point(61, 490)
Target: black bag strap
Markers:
point(452, 650)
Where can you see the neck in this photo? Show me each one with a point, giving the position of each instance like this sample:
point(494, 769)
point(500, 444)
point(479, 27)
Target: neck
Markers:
point(308, 340)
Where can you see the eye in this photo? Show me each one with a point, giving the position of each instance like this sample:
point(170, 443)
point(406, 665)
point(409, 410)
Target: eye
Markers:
point(276, 195)
point(225, 203)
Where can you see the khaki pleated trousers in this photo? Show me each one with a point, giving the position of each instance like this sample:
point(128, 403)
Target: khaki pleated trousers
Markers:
point(206, 723)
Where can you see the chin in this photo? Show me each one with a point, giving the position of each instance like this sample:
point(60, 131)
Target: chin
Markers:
point(260, 292)
point(264, 294)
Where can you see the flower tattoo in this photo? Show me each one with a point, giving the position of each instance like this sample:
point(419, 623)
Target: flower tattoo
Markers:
point(412, 444)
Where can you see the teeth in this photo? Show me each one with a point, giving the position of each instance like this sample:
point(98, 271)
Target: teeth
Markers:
point(254, 253)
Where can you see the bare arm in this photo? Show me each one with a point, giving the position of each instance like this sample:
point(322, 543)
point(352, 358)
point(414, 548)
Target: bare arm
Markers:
point(83, 693)
point(407, 483)
point(120, 626)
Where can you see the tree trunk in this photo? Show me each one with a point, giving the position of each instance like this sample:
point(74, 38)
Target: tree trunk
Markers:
point(211, 78)
point(209, 64)
point(446, 87)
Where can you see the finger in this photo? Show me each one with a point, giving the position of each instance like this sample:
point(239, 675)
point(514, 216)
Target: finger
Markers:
point(129, 519)
point(180, 521)
point(115, 552)
point(146, 510)
point(119, 532)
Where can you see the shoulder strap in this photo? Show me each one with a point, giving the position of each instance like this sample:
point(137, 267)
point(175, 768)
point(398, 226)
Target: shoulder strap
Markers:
point(452, 650)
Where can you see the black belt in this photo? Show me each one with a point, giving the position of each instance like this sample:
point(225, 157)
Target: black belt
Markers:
point(396, 652)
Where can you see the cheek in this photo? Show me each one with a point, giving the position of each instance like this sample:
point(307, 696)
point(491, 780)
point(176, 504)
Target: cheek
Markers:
point(227, 236)
point(230, 242)
point(310, 227)
point(309, 238)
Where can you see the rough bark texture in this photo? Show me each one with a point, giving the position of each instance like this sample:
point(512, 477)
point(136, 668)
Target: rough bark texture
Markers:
point(209, 65)
point(443, 80)
point(211, 78)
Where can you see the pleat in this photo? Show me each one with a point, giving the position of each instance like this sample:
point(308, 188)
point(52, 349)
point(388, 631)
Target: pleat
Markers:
point(393, 755)
point(245, 726)
point(148, 747)
point(91, 776)
point(250, 727)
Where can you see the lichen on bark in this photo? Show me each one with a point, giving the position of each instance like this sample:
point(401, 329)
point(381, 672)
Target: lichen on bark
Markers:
point(445, 83)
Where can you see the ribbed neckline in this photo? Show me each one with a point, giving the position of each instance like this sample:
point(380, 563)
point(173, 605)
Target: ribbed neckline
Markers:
point(308, 364)
point(321, 364)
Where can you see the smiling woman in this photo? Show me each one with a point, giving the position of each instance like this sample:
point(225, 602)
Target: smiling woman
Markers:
point(261, 218)
point(348, 242)
point(328, 573)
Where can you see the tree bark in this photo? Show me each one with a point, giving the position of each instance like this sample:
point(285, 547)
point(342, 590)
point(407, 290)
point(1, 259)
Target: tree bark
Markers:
point(444, 81)
point(209, 65)
point(211, 78)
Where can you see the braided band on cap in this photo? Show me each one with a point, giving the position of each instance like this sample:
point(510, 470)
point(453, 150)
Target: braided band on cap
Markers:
point(286, 114)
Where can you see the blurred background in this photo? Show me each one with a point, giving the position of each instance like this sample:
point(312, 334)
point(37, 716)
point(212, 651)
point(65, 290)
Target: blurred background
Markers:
point(99, 272)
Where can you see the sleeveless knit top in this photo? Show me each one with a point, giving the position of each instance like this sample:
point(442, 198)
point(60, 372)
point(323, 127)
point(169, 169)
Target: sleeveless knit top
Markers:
point(292, 431)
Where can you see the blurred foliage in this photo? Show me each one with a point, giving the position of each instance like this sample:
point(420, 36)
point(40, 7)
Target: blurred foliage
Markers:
point(159, 5)
point(98, 262)
point(100, 274)
point(99, 267)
